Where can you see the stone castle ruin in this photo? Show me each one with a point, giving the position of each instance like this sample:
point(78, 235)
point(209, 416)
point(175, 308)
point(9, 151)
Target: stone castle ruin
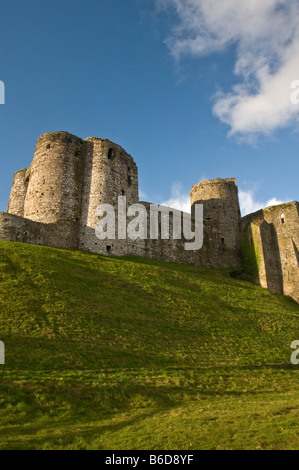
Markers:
point(54, 203)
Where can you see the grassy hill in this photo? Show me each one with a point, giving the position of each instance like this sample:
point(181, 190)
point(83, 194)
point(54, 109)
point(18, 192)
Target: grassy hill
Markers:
point(130, 353)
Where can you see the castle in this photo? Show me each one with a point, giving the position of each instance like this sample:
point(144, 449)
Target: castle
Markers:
point(54, 203)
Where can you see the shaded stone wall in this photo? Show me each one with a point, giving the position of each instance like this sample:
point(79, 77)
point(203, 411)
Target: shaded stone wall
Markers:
point(275, 234)
point(19, 229)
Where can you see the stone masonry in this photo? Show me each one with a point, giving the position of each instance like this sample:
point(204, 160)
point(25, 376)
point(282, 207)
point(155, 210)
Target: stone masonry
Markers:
point(54, 203)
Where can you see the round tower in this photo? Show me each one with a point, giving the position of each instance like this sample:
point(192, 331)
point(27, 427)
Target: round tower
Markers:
point(221, 213)
point(55, 179)
point(110, 172)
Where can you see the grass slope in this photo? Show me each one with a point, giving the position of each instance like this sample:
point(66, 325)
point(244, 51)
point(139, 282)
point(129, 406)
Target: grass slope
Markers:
point(128, 353)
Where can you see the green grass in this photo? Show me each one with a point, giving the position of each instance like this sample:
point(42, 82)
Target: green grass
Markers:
point(130, 353)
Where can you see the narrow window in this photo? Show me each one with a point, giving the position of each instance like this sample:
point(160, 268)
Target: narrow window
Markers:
point(222, 240)
point(108, 248)
point(110, 153)
point(282, 218)
point(122, 192)
point(48, 146)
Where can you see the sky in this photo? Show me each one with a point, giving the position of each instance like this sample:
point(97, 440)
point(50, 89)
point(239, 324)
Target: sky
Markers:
point(192, 89)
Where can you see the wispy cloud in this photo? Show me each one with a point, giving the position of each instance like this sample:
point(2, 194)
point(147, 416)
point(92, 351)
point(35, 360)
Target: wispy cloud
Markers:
point(142, 195)
point(179, 198)
point(249, 201)
point(266, 38)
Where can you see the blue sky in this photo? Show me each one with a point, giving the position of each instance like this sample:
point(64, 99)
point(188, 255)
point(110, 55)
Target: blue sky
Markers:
point(191, 89)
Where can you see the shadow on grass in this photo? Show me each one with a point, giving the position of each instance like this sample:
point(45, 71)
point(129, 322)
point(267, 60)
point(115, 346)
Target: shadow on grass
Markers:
point(62, 433)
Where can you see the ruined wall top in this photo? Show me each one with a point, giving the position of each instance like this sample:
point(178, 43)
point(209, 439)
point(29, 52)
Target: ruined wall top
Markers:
point(217, 188)
point(272, 213)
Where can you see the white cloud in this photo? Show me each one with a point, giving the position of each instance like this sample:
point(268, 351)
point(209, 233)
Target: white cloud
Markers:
point(266, 37)
point(179, 198)
point(249, 203)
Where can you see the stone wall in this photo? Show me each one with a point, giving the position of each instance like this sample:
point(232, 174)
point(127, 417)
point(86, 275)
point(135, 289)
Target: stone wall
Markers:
point(171, 250)
point(19, 229)
point(55, 180)
point(273, 234)
point(222, 244)
point(54, 203)
point(18, 193)
point(109, 173)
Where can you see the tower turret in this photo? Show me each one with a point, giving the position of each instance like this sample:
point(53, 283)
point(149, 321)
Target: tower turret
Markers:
point(110, 172)
point(55, 179)
point(221, 212)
